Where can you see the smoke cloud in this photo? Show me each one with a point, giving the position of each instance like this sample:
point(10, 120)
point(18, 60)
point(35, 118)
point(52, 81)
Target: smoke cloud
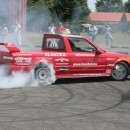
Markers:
point(38, 20)
point(21, 79)
point(17, 79)
point(35, 21)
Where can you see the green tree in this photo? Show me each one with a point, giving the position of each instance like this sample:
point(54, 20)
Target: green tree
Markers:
point(68, 10)
point(42, 12)
point(109, 6)
point(123, 24)
point(81, 10)
point(64, 9)
point(38, 15)
point(31, 2)
point(51, 7)
point(127, 6)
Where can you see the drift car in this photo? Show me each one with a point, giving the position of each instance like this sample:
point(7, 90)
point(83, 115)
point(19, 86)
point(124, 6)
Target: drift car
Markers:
point(66, 56)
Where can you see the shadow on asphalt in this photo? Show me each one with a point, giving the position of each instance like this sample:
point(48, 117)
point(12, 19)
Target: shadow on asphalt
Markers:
point(86, 80)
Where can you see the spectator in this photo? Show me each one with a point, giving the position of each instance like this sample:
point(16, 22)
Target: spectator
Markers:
point(4, 33)
point(60, 29)
point(52, 29)
point(108, 36)
point(67, 31)
point(0, 32)
point(17, 33)
point(93, 31)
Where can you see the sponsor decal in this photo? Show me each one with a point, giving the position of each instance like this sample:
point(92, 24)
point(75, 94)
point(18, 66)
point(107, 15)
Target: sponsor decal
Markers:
point(22, 63)
point(110, 65)
point(62, 60)
point(81, 54)
point(63, 69)
point(7, 58)
point(108, 71)
point(55, 54)
point(85, 64)
point(22, 54)
point(62, 63)
point(23, 60)
point(92, 74)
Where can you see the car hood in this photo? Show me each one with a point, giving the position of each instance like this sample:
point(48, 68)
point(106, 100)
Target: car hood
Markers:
point(116, 56)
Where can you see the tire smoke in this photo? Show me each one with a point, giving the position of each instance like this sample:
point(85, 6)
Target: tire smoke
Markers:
point(21, 79)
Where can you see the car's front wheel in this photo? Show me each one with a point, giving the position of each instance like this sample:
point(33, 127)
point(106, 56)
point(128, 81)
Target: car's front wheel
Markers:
point(44, 74)
point(120, 71)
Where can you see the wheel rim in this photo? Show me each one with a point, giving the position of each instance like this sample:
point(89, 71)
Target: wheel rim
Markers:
point(119, 72)
point(42, 74)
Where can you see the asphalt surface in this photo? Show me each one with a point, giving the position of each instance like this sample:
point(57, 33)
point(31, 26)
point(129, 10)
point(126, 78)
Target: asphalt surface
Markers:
point(69, 104)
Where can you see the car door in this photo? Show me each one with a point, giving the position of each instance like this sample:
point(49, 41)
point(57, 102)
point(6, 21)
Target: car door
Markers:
point(85, 60)
point(56, 50)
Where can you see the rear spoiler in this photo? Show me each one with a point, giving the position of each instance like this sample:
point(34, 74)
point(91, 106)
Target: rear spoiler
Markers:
point(11, 47)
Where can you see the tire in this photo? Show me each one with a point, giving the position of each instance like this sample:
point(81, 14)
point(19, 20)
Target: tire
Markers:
point(44, 74)
point(120, 71)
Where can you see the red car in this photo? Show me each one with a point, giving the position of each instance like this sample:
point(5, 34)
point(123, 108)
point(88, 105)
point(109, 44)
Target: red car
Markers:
point(66, 56)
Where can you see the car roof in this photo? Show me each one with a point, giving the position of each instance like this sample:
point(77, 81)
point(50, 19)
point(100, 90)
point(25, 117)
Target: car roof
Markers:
point(66, 35)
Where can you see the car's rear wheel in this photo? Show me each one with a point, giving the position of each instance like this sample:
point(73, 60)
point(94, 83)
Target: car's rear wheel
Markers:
point(120, 71)
point(44, 74)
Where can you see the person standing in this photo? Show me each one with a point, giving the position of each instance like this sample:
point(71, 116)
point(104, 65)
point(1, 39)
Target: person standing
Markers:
point(4, 33)
point(93, 31)
point(17, 33)
point(60, 29)
point(52, 29)
point(108, 36)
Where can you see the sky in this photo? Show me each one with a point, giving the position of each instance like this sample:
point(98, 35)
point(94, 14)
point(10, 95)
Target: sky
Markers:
point(91, 4)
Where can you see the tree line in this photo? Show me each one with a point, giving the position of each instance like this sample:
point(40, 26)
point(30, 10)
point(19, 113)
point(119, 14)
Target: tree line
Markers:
point(42, 12)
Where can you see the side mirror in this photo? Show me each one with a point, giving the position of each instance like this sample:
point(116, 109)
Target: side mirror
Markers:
point(98, 52)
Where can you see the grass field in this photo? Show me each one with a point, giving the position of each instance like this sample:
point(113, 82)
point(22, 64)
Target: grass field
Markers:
point(119, 39)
